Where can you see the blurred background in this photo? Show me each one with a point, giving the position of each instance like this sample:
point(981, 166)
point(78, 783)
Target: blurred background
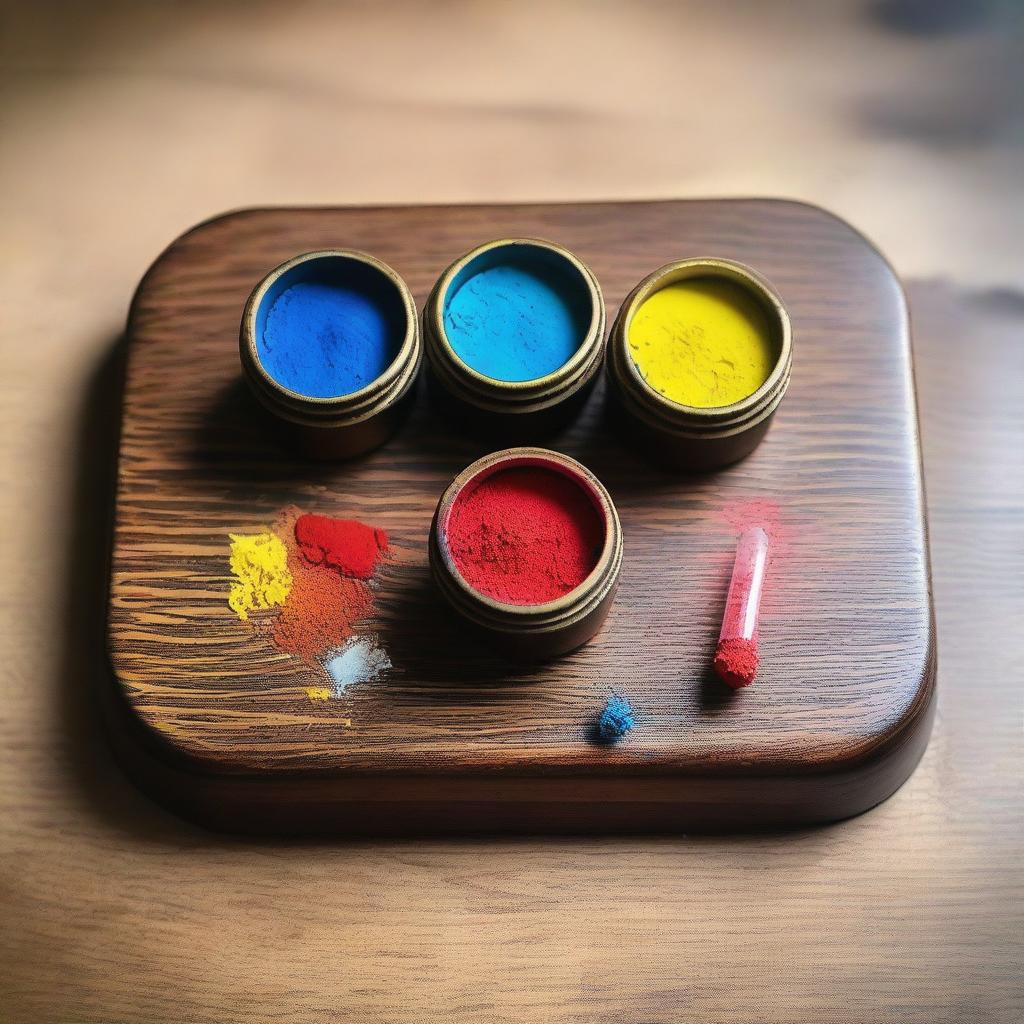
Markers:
point(125, 123)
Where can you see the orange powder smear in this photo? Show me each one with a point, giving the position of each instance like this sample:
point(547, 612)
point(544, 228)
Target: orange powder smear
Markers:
point(321, 610)
point(323, 606)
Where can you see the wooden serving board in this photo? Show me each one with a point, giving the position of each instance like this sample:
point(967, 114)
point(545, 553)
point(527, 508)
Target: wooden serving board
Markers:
point(217, 722)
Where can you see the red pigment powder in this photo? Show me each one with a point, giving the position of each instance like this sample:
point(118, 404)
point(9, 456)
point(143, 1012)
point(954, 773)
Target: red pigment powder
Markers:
point(328, 559)
point(344, 544)
point(736, 662)
point(525, 535)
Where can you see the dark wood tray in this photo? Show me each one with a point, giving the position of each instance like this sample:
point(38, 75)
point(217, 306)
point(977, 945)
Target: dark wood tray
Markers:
point(217, 723)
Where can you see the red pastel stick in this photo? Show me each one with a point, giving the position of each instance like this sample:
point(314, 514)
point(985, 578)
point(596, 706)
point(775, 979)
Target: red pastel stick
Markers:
point(736, 656)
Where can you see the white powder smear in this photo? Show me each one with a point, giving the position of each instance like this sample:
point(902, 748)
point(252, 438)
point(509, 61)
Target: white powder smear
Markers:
point(358, 660)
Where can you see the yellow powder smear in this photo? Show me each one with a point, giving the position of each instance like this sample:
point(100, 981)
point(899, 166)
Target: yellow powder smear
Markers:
point(318, 693)
point(703, 342)
point(260, 564)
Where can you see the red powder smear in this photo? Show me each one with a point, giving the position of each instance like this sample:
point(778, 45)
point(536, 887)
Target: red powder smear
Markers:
point(525, 535)
point(736, 662)
point(763, 512)
point(324, 605)
point(345, 544)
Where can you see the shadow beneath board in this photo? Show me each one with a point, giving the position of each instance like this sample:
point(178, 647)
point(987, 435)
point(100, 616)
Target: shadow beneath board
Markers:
point(84, 665)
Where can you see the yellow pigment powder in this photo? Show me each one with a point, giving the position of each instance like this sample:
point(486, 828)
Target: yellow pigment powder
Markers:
point(260, 564)
point(703, 342)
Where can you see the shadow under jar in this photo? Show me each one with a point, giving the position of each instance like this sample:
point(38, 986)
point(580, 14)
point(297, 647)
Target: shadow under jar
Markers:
point(330, 345)
point(514, 337)
point(699, 359)
point(526, 546)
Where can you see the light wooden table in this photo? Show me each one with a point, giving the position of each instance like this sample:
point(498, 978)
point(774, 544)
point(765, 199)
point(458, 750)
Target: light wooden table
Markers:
point(124, 126)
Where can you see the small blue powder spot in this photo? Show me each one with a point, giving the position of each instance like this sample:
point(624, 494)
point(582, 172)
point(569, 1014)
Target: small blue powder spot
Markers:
point(325, 340)
point(615, 720)
point(516, 320)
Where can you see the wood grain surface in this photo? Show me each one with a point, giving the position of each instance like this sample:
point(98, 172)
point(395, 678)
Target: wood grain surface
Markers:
point(840, 711)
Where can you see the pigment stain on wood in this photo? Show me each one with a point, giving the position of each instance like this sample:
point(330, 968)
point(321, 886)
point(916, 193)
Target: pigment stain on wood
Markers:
point(222, 725)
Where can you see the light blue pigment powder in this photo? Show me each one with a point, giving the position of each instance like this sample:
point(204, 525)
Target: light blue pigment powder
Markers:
point(327, 335)
point(515, 315)
point(358, 660)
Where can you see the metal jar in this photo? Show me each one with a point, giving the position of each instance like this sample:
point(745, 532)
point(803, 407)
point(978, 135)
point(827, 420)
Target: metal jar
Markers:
point(689, 437)
point(347, 425)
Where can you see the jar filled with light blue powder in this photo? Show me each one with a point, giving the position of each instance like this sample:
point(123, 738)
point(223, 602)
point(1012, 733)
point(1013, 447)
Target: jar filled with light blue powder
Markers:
point(514, 335)
point(330, 344)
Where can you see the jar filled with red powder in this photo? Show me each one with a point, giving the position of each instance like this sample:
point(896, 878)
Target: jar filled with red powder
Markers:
point(526, 545)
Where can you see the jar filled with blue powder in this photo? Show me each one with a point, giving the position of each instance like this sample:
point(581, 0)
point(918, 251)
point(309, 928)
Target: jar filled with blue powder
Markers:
point(514, 334)
point(330, 344)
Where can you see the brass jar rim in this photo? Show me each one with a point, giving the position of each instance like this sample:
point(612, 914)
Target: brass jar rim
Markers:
point(767, 394)
point(355, 405)
point(548, 614)
point(449, 364)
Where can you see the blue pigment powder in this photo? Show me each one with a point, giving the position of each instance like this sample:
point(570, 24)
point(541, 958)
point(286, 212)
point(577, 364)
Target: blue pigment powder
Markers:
point(614, 721)
point(516, 313)
point(329, 327)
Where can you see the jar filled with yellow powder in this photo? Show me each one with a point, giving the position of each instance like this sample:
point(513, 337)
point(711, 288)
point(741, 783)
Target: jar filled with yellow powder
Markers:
point(699, 359)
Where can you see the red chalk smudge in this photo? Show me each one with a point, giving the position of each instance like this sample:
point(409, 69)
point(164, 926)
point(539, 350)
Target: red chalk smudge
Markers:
point(764, 512)
point(742, 513)
point(351, 547)
point(736, 662)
